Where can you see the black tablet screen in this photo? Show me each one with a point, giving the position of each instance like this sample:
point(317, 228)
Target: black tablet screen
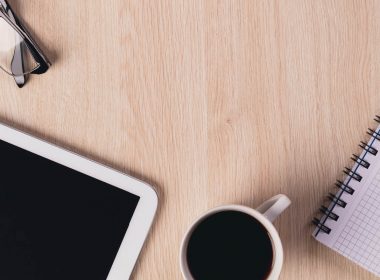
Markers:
point(57, 223)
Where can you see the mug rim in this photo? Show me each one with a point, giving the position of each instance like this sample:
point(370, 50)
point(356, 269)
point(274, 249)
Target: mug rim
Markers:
point(277, 249)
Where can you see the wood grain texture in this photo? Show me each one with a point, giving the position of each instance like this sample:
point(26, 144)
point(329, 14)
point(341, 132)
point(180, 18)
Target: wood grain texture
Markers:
point(213, 102)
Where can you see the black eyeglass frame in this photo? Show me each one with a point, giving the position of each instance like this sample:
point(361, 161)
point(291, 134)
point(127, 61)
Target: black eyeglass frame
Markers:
point(38, 55)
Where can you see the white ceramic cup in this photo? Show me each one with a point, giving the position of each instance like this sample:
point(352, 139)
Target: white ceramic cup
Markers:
point(266, 213)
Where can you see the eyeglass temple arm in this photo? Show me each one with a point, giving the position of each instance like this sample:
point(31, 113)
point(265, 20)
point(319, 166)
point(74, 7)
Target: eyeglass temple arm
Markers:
point(18, 66)
point(18, 58)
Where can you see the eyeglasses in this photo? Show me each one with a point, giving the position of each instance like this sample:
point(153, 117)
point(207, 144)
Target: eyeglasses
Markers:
point(19, 53)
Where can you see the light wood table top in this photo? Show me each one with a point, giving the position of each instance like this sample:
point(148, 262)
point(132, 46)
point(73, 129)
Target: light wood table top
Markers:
point(213, 102)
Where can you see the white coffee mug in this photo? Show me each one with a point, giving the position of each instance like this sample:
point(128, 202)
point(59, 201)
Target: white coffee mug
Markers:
point(266, 213)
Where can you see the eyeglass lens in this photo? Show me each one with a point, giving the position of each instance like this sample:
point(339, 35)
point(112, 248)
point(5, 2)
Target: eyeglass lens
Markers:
point(12, 45)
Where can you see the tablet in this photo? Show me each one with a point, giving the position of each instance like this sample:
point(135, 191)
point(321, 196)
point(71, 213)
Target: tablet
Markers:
point(63, 216)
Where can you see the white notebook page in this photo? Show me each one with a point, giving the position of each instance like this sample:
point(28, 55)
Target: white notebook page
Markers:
point(356, 234)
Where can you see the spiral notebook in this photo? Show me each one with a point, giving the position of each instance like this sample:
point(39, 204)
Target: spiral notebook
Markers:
point(350, 223)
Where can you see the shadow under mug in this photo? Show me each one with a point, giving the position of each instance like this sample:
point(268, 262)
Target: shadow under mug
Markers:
point(266, 213)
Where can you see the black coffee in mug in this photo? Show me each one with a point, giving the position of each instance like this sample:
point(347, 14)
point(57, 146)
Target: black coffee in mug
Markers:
point(230, 245)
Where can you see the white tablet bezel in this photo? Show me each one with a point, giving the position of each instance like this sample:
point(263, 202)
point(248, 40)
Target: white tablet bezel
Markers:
point(143, 216)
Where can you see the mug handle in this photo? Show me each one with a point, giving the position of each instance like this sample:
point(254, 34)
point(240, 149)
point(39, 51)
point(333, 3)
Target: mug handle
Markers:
point(274, 206)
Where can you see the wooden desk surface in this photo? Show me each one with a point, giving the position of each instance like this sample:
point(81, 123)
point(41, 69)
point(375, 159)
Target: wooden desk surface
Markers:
point(213, 102)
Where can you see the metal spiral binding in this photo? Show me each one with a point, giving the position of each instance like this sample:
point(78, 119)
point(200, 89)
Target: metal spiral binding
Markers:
point(368, 148)
point(351, 174)
point(374, 134)
point(337, 200)
point(344, 187)
point(330, 214)
point(321, 226)
point(360, 161)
